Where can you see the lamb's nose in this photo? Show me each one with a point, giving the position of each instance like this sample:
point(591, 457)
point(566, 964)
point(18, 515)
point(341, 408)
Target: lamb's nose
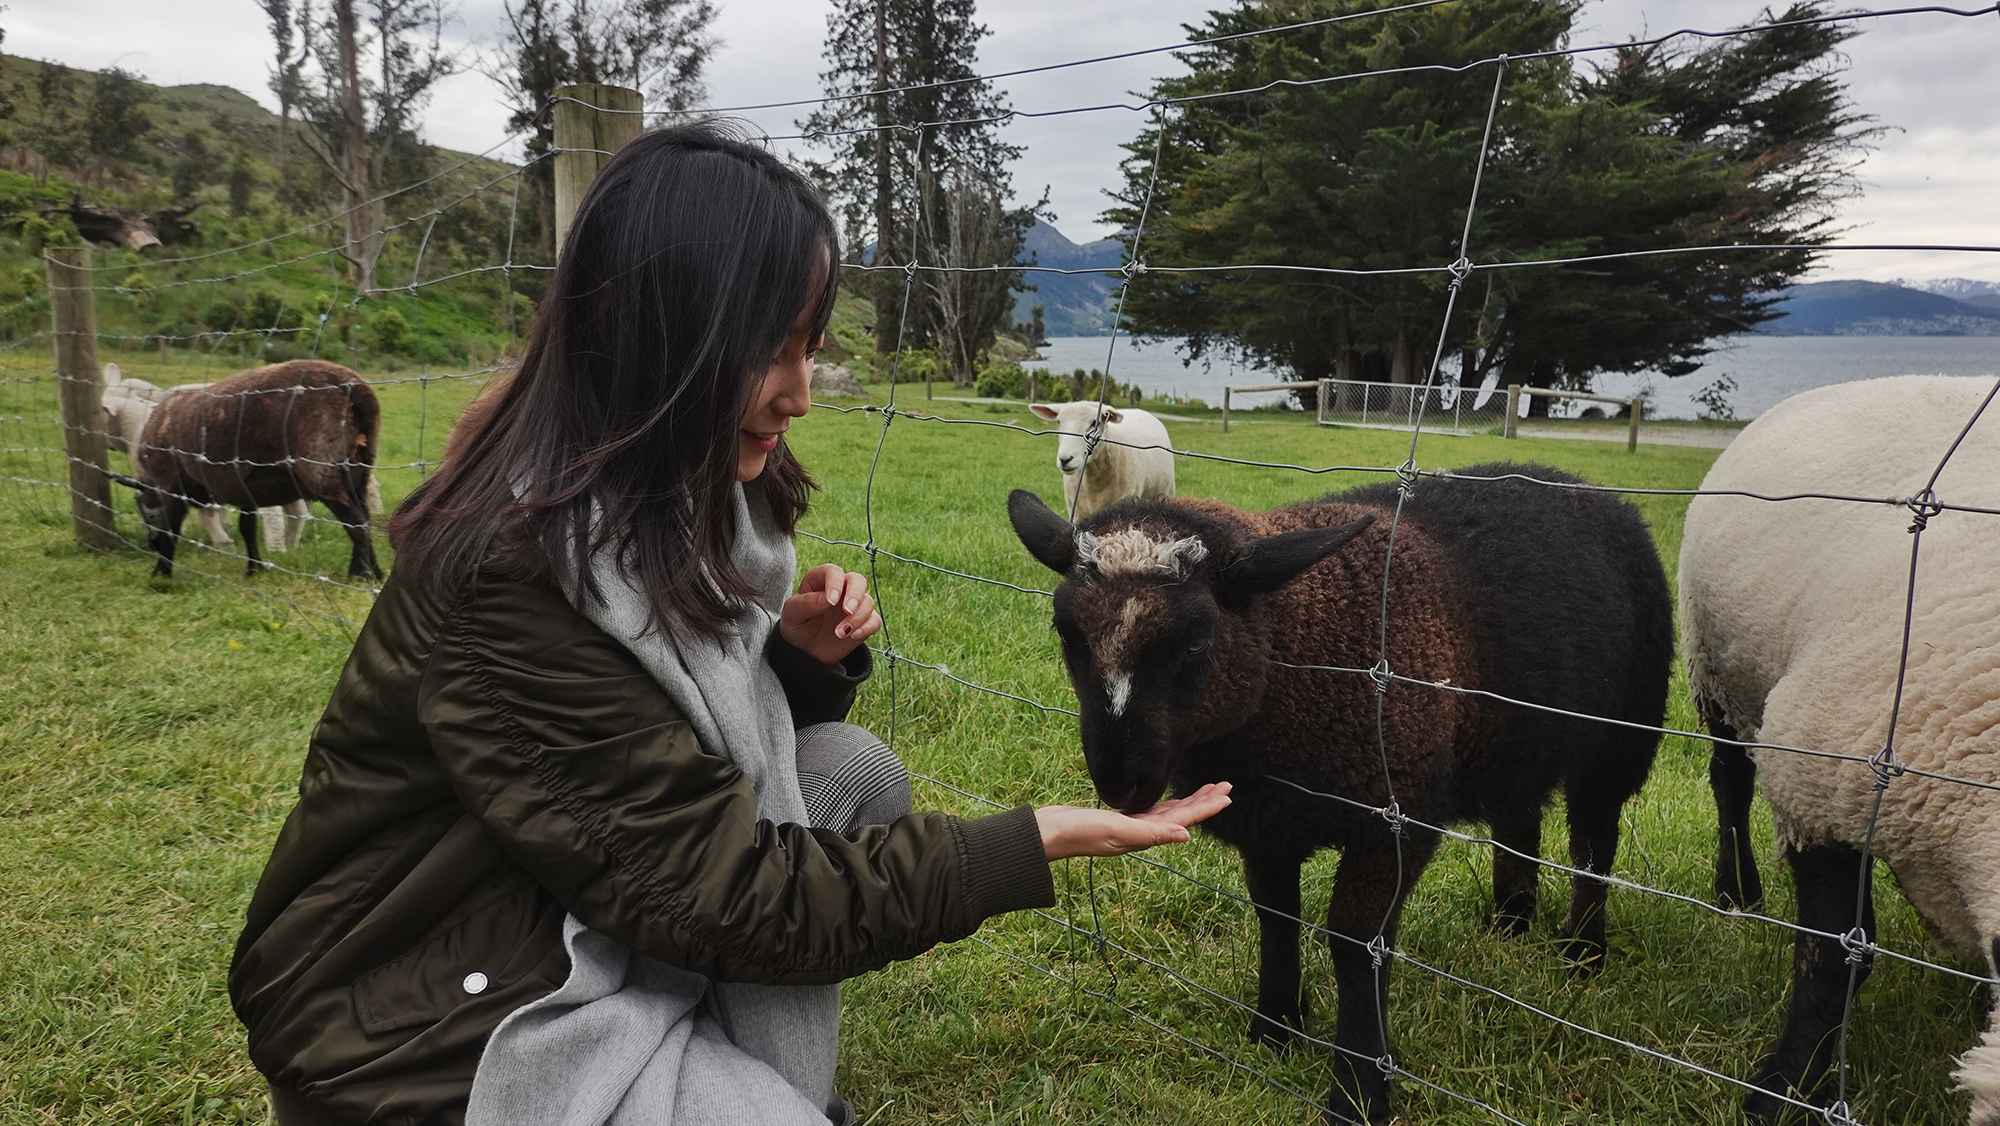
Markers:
point(1063, 463)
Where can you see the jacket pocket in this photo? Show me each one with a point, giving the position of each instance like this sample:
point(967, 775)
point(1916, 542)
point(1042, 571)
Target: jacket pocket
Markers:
point(479, 954)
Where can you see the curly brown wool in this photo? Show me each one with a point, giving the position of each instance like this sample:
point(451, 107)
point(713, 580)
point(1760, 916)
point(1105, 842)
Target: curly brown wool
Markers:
point(1206, 643)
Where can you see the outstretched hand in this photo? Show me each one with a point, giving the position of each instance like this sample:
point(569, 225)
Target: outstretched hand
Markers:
point(830, 615)
point(1073, 830)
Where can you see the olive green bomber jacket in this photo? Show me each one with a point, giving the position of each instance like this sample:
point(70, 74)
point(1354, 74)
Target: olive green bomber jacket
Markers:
point(490, 760)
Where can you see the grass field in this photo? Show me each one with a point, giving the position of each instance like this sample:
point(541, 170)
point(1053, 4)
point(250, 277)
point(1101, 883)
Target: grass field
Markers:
point(151, 735)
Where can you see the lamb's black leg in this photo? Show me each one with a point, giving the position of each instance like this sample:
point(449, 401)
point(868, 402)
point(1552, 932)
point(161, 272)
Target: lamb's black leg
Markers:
point(1513, 877)
point(1593, 845)
point(353, 515)
point(1367, 901)
point(1827, 877)
point(246, 526)
point(1732, 775)
point(1273, 882)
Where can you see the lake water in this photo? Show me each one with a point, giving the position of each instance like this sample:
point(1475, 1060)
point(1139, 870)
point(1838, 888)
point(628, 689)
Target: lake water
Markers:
point(1767, 369)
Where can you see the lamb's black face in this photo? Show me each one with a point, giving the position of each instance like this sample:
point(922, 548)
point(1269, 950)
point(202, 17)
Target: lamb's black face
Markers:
point(1140, 656)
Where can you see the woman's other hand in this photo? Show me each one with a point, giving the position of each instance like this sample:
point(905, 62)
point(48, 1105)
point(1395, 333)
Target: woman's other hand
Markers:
point(831, 613)
point(1073, 830)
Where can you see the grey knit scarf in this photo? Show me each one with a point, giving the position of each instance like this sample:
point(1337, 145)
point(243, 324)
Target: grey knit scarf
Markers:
point(631, 1041)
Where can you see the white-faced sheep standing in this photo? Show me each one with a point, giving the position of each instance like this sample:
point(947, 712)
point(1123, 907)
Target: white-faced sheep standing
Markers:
point(1792, 625)
point(128, 403)
point(1132, 455)
point(301, 430)
point(1178, 620)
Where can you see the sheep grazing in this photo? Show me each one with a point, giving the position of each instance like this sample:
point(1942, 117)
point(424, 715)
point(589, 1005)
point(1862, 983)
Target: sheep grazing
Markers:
point(128, 403)
point(1179, 620)
point(1133, 456)
point(1792, 625)
point(298, 431)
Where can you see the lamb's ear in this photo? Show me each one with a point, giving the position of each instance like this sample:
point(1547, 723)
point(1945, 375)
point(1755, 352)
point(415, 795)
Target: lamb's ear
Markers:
point(1112, 414)
point(112, 375)
point(1264, 565)
point(1041, 411)
point(1047, 536)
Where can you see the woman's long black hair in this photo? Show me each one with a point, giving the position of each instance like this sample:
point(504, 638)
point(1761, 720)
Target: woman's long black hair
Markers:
point(687, 266)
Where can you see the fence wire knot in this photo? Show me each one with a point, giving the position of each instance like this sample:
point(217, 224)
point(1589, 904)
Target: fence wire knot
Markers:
point(1393, 814)
point(1885, 766)
point(1840, 1114)
point(1133, 268)
point(910, 270)
point(1856, 943)
point(1378, 950)
point(1407, 475)
point(1380, 675)
point(1460, 270)
point(1387, 1063)
point(1922, 507)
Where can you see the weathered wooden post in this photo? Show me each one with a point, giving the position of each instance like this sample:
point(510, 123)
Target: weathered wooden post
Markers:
point(1513, 409)
point(80, 388)
point(592, 122)
point(1225, 410)
point(1632, 431)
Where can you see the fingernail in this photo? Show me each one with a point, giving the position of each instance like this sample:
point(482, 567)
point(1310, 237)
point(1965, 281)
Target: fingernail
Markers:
point(853, 604)
point(840, 631)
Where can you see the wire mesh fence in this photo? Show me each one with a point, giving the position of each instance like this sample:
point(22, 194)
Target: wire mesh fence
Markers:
point(966, 648)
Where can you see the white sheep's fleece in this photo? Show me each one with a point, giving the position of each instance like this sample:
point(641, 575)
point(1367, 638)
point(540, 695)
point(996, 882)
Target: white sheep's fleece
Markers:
point(1136, 552)
point(1792, 616)
point(1136, 461)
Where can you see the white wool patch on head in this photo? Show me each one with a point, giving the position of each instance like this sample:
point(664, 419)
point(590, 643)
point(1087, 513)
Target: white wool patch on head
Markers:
point(1135, 552)
point(1114, 657)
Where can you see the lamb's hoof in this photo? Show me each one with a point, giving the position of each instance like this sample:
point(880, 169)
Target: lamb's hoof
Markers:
point(1731, 895)
point(1508, 923)
point(1763, 1107)
point(1586, 954)
point(1360, 1092)
point(1273, 1034)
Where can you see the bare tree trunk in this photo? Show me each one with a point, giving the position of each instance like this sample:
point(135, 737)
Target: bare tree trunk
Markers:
point(363, 239)
point(888, 297)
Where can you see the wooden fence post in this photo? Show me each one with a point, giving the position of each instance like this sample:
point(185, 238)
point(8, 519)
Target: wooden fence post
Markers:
point(1513, 409)
point(1632, 431)
point(1225, 410)
point(80, 388)
point(592, 122)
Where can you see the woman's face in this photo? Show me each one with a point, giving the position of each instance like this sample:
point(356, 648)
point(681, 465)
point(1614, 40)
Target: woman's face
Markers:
point(785, 394)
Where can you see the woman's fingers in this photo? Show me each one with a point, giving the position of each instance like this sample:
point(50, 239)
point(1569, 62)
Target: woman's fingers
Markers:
point(824, 578)
point(1196, 807)
point(860, 611)
point(1069, 830)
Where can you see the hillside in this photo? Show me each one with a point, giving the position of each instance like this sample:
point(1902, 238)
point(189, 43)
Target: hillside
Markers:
point(1861, 308)
point(249, 264)
point(1072, 304)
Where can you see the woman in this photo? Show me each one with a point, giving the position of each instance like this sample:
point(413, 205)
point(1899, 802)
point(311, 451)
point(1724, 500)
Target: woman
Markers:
point(558, 786)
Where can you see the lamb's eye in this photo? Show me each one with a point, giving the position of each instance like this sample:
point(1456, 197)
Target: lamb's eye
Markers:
point(1197, 647)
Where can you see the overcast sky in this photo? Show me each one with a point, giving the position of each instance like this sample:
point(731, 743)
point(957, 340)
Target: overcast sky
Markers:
point(1930, 79)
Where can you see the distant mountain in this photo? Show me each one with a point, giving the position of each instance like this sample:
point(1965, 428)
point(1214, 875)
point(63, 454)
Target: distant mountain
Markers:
point(1860, 308)
point(1072, 304)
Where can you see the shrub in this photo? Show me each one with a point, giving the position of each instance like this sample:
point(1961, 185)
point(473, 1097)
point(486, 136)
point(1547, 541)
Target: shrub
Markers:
point(388, 331)
point(221, 316)
point(269, 311)
point(1000, 381)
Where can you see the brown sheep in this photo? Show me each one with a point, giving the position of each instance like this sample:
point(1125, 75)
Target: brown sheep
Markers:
point(302, 430)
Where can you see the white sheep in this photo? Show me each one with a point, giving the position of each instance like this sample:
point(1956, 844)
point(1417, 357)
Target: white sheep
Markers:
point(129, 402)
point(1792, 624)
point(1133, 458)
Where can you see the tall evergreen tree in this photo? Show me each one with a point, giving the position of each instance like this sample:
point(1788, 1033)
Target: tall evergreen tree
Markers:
point(910, 188)
point(1741, 140)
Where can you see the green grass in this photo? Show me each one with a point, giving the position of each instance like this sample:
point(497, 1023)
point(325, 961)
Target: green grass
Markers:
point(151, 735)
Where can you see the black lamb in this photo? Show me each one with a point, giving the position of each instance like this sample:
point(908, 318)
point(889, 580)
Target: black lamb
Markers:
point(1181, 622)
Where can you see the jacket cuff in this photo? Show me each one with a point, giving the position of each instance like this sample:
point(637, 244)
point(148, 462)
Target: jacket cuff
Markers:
point(1005, 867)
point(816, 692)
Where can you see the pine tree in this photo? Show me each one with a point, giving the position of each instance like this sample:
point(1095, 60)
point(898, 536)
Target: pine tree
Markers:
point(1741, 140)
point(918, 170)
